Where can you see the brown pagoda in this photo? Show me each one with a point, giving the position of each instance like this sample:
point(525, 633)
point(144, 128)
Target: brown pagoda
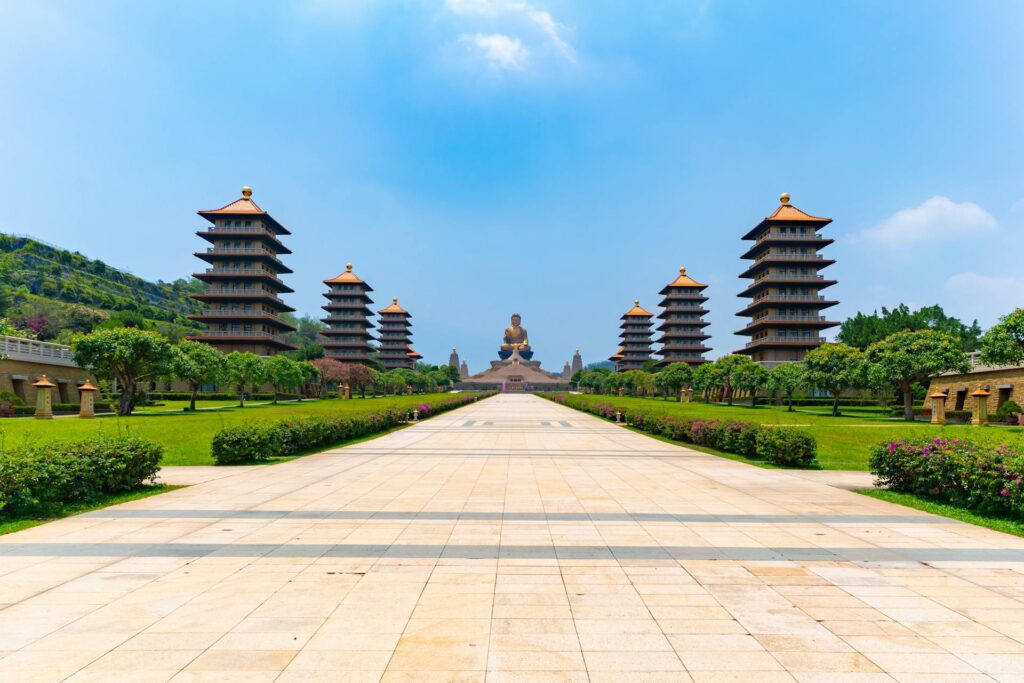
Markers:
point(786, 305)
point(635, 339)
point(395, 346)
point(347, 337)
point(243, 303)
point(682, 332)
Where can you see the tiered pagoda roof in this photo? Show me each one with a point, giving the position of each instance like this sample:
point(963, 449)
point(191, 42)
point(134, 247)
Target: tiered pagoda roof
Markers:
point(682, 330)
point(243, 303)
point(636, 339)
point(395, 338)
point(785, 300)
point(348, 334)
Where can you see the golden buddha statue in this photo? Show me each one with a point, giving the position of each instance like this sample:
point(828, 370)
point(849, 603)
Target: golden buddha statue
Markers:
point(515, 339)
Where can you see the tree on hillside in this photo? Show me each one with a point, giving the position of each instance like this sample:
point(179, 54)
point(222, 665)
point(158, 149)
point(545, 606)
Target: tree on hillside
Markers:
point(283, 373)
point(196, 364)
point(1003, 344)
point(673, 378)
point(907, 357)
point(245, 370)
point(787, 378)
point(706, 377)
point(730, 368)
point(833, 368)
point(128, 355)
point(751, 377)
point(862, 330)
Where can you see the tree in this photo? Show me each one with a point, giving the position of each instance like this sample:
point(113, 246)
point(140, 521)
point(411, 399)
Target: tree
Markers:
point(126, 354)
point(283, 373)
point(751, 377)
point(786, 378)
point(1003, 344)
point(673, 378)
point(706, 377)
point(637, 381)
point(862, 330)
point(833, 368)
point(907, 357)
point(196, 364)
point(245, 369)
point(309, 351)
point(731, 369)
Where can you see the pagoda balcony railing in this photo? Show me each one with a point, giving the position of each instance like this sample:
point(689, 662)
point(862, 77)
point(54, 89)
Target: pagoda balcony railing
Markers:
point(18, 348)
point(775, 339)
point(778, 234)
point(239, 228)
point(673, 344)
point(240, 333)
point(248, 251)
point(787, 257)
point(787, 319)
point(781, 276)
point(676, 307)
point(788, 297)
point(211, 312)
point(243, 271)
point(249, 291)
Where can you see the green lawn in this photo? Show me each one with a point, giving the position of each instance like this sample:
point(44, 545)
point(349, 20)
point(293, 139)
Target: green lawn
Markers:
point(186, 436)
point(1008, 525)
point(844, 442)
point(9, 525)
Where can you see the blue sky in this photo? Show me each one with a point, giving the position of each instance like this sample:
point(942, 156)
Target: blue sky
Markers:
point(555, 158)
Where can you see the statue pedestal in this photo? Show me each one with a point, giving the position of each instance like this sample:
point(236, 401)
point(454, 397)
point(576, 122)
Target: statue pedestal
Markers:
point(505, 354)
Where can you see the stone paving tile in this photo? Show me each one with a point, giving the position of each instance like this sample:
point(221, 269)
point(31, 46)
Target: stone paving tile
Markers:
point(512, 540)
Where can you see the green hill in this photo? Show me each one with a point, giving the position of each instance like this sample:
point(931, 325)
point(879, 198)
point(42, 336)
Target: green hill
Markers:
point(56, 292)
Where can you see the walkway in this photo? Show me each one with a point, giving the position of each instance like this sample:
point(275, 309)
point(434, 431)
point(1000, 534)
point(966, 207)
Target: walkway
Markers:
point(513, 540)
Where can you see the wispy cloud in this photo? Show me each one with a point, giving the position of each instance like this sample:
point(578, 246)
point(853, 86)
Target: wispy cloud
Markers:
point(935, 220)
point(524, 29)
point(498, 50)
point(979, 285)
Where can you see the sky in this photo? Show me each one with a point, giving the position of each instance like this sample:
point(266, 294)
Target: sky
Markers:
point(555, 158)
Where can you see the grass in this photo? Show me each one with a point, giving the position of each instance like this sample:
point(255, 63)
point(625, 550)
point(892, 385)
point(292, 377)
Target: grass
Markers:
point(10, 525)
point(186, 436)
point(844, 443)
point(1008, 525)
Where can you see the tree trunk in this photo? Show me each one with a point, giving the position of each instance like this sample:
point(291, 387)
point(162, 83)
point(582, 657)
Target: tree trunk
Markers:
point(728, 392)
point(192, 400)
point(835, 404)
point(241, 395)
point(124, 406)
point(908, 402)
point(276, 392)
point(789, 400)
point(753, 398)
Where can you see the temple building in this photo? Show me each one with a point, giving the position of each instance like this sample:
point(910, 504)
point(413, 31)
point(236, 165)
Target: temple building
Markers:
point(636, 339)
point(395, 338)
point(348, 334)
point(785, 300)
point(514, 371)
point(566, 371)
point(453, 360)
point(577, 363)
point(243, 303)
point(464, 370)
point(682, 332)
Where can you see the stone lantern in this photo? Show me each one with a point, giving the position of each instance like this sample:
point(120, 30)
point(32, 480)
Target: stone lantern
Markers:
point(344, 391)
point(87, 393)
point(44, 398)
point(980, 396)
point(938, 407)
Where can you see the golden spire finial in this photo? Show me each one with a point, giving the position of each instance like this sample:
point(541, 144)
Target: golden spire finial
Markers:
point(682, 271)
point(636, 302)
point(246, 192)
point(784, 198)
point(394, 300)
point(348, 267)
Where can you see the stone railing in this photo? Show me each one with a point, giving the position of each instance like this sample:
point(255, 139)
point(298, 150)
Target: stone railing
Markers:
point(785, 340)
point(17, 348)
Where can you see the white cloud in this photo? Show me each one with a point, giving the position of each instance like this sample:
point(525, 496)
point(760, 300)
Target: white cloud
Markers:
point(978, 285)
point(937, 219)
point(500, 51)
point(536, 19)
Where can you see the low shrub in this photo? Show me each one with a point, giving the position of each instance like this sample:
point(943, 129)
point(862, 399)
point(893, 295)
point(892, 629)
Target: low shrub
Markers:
point(40, 477)
point(255, 442)
point(1008, 412)
point(780, 446)
point(963, 473)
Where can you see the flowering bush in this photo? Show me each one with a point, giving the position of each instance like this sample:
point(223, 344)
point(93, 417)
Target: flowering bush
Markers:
point(423, 408)
point(790, 447)
point(957, 471)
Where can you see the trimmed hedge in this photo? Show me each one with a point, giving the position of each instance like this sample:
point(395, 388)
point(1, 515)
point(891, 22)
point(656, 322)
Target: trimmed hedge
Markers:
point(959, 472)
point(40, 477)
point(778, 445)
point(255, 442)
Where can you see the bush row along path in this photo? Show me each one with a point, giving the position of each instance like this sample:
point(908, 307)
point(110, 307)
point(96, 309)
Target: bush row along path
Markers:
point(513, 539)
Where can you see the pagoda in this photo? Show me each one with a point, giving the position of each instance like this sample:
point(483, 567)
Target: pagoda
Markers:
point(636, 339)
point(577, 362)
point(395, 348)
point(682, 332)
point(785, 293)
point(242, 297)
point(348, 333)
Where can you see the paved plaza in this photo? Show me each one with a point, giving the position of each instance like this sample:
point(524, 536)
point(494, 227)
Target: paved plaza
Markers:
point(513, 540)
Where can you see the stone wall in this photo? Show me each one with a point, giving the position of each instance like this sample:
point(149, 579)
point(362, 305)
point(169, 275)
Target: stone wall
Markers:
point(19, 375)
point(1003, 383)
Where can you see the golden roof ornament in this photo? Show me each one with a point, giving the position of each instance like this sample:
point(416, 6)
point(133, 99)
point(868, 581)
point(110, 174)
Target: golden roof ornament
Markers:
point(246, 192)
point(784, 198)
point(348, 267)
point(682, 271)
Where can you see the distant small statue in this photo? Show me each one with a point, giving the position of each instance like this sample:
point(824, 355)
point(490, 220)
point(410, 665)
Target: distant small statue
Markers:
point(515, 339)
